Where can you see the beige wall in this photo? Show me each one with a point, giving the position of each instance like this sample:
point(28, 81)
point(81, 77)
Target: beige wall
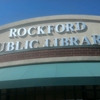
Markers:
point(92, 23)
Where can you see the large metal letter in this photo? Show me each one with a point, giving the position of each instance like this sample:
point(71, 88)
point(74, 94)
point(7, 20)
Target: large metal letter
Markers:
point(13, 32)
point(50, 29)
point(31, 45)
point(26, 44)
point(30, 30)
point(58, 29)
point(80, 26)
point(10, 46)
point(2, 47)
point(40, 30)
point(56, 40)
point(47, 43)
point(19, 32)
point(85, 41)
point(64, 41)
point(69, 27)
point(73, 41)
point(96, 39)
point(18, 44)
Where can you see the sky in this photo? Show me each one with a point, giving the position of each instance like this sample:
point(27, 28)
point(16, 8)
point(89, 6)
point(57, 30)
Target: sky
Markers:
point(16, 10)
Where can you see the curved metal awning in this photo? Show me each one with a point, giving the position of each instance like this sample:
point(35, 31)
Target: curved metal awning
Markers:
point(53, 74)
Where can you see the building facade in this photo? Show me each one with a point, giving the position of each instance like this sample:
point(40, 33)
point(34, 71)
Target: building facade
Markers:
point(51, 58)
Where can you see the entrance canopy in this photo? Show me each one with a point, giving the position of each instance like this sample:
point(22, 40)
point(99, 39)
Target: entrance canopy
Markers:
point(52, 74)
